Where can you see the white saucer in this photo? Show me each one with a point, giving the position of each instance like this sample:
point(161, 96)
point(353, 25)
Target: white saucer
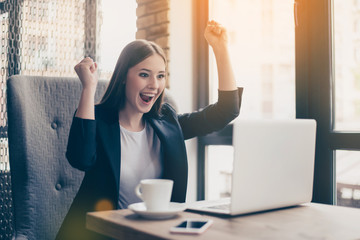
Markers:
point(140, 209)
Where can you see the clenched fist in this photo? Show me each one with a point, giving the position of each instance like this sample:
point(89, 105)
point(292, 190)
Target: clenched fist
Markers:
point(216, 35)
point(87, 72)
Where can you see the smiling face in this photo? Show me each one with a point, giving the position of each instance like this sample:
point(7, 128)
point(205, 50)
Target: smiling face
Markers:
point(144, 83)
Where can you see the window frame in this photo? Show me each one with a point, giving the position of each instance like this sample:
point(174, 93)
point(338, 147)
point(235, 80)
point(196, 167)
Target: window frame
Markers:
point(314, 77)
point(314, 82)
point(201, 82)
point(315, 92)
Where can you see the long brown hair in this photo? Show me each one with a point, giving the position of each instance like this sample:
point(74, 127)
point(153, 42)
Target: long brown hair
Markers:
point(135, 52)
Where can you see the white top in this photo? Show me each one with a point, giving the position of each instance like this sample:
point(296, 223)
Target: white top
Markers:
point(140, 159)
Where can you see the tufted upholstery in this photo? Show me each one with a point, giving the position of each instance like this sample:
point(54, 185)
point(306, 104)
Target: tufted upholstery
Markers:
point(40, 111)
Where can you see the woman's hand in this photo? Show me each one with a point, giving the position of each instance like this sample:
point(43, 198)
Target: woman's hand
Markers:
point(87, 72)
point(216, 35)
point(217, 38)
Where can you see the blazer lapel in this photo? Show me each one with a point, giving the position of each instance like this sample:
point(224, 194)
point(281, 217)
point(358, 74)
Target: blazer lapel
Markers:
point(174, 152)
point(109, 134)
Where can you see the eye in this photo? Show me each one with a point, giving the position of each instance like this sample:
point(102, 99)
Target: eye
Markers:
point(143, 75)
point(161, 76)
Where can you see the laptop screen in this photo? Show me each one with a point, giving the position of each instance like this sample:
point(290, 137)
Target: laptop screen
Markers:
point(273, 163)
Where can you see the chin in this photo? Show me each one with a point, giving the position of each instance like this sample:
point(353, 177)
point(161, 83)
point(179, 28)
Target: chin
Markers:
point(145, 110)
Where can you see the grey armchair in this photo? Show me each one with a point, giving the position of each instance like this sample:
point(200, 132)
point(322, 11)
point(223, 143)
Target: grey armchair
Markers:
point(40, 111)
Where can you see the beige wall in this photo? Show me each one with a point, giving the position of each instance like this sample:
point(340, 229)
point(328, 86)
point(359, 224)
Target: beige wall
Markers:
point(181, 65)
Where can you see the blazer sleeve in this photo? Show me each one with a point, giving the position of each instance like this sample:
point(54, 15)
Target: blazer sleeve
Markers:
point(214, 117)
point(81, 148)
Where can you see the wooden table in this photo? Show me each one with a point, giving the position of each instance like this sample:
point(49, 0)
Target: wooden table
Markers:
point(307, 221)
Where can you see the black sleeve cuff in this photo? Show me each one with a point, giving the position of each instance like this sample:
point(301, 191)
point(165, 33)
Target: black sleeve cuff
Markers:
point(231, 99)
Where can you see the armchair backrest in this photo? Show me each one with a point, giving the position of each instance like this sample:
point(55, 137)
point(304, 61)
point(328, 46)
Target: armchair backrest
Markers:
point(40, 111)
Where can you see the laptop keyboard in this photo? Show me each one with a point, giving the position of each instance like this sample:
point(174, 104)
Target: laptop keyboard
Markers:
point(221, 207)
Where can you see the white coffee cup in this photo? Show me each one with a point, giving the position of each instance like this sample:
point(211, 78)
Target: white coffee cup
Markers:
point(156, 193)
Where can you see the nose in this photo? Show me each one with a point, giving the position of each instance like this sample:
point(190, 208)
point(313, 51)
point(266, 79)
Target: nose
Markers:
point(153, 83)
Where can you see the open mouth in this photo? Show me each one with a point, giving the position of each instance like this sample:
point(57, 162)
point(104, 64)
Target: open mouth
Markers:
point(147, 97)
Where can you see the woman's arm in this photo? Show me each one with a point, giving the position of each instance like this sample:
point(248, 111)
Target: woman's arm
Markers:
point(81, 148)
point(87, 72)
point(215, 116)
point(217, 38)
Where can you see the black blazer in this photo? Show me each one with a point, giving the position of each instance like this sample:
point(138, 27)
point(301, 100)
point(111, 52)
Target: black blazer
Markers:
point(94, 147)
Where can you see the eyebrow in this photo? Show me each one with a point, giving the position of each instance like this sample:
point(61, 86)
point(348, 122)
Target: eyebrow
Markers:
point(144, 69)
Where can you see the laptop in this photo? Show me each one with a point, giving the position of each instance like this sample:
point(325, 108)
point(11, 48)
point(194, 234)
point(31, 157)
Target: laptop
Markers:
point(273, 167)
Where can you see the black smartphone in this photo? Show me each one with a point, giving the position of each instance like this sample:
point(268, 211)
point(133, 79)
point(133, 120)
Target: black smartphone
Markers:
point(192, 226)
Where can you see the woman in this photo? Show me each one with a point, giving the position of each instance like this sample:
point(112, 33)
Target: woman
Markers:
point(131, 135)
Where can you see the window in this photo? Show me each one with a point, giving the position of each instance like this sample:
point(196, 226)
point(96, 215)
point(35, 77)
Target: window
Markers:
point(326, 89)
point(348, 178)
point(326, 81)
point(262, 49)
point(347, 61)
point(346, 45)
